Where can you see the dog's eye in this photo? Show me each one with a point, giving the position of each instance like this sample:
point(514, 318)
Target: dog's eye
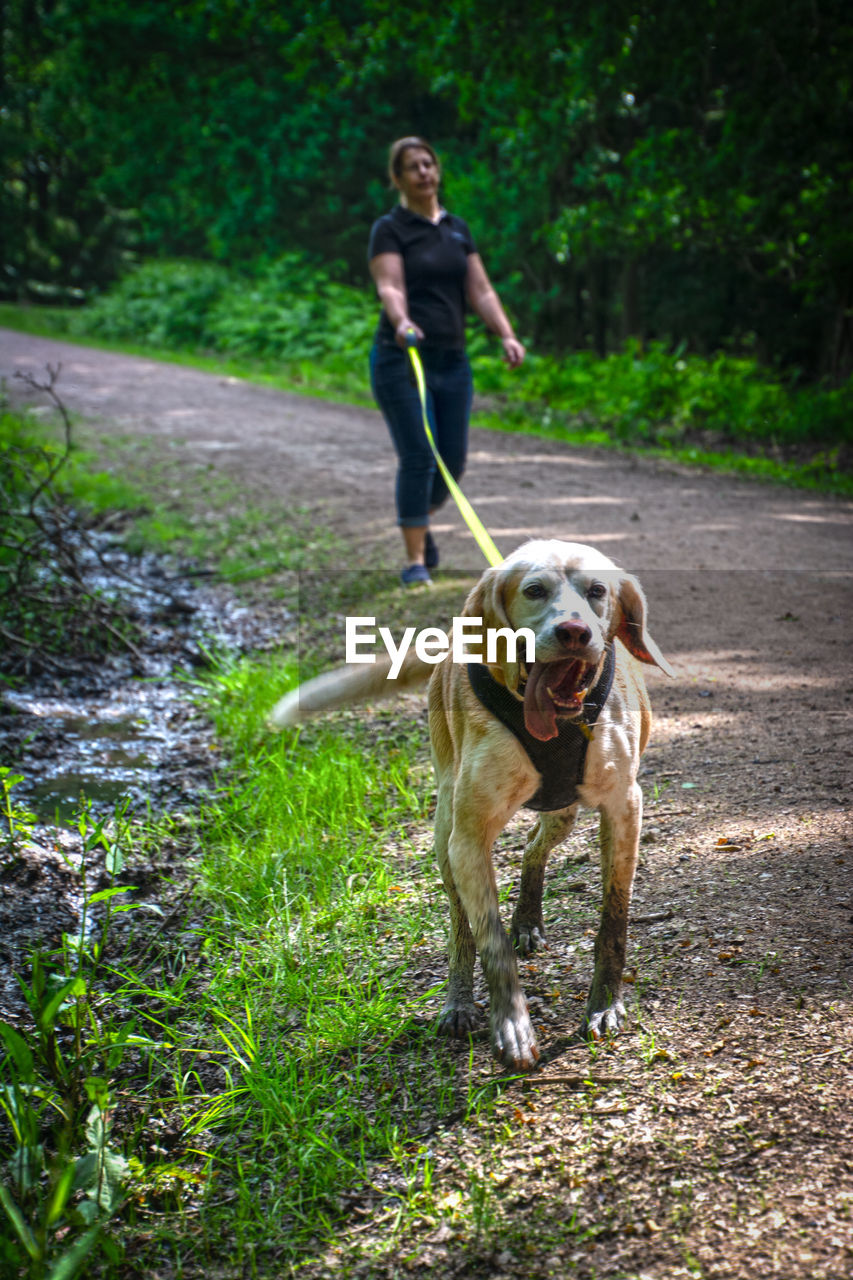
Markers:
point(596, 591)
point(535, 591)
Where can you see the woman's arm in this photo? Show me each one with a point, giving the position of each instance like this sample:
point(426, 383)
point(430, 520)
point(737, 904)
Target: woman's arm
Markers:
point(486, 303)
point(390, 281)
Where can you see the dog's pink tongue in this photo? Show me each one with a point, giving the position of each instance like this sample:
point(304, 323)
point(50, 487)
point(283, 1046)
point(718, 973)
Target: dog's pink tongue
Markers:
point(540, 713)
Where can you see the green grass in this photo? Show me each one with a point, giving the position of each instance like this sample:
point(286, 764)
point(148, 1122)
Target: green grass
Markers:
point(36, 442)
point(238, 539)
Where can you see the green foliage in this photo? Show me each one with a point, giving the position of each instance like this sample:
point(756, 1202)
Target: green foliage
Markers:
point(34, 457)
point(290, 310)
point(161, 304)
point(677, 153)
point(63, 1177)
point(63, 235)
point(30, 482)
point(16, 819)
point(300, 863)
point(656, 396)
point(629, 169)
point(301, 1057)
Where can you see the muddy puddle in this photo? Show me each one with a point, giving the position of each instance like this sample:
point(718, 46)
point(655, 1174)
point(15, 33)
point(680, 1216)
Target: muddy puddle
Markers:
point(125, 727)
point(124, 731)
point(101, 749)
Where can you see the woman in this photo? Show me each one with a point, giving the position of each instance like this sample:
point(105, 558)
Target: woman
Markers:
point(426, 270)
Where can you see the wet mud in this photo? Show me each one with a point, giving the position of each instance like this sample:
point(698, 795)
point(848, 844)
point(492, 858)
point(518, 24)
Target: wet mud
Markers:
point(120, 732)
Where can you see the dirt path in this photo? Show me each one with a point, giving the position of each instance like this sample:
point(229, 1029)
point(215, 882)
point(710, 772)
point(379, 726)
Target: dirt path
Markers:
point(743, 932)
point(291, 449)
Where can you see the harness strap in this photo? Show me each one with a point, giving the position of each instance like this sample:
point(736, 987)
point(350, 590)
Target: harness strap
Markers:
point(560, 761)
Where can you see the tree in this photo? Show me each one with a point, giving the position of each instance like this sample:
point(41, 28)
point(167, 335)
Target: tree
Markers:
point(630, 169)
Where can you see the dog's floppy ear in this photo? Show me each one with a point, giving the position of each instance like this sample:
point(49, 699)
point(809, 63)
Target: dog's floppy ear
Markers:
point(631, 625)
point(486, 601)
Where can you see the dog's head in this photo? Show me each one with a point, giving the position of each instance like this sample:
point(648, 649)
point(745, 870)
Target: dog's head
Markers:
point(576, 601)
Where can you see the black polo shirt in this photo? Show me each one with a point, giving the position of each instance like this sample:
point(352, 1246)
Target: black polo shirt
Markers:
point(435, 263)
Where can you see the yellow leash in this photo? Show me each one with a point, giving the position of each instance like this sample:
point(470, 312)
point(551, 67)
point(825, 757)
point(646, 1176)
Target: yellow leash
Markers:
point(469, 515)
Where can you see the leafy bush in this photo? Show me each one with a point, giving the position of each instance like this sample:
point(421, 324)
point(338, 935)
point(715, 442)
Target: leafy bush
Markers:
point(162, 304)
point(658, 396)
point(287, 310)
point(291, 310)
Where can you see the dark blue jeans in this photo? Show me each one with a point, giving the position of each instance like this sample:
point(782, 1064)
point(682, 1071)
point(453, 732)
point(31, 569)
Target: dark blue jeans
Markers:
point(420, 485)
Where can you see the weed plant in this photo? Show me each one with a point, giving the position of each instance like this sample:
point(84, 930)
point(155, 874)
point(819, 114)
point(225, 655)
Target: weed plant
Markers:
point(64, 1178)
point(289, 311)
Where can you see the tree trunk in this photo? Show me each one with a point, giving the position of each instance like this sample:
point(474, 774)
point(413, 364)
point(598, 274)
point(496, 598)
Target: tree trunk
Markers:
point(599, 297)
point(630, 322)
point(841, 343)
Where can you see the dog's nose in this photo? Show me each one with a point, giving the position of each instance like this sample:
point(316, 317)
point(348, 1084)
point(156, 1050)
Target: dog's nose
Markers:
point(573, 633)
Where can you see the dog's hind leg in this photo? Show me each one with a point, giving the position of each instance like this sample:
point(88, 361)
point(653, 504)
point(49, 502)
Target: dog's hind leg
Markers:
point(619, 836)
point(528, 928)
point(459, 1017)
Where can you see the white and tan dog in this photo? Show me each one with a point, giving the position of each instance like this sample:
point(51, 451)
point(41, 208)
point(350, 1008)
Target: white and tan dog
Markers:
point(589, 622)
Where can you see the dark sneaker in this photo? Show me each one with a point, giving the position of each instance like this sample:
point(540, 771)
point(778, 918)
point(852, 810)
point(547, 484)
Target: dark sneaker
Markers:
point(430, 551)
point(415, 575)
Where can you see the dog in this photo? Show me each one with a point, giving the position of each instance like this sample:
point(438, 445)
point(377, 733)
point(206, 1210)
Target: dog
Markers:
point(494, 727)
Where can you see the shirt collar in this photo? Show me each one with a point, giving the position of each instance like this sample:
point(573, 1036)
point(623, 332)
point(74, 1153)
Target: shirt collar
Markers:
point(405, 211)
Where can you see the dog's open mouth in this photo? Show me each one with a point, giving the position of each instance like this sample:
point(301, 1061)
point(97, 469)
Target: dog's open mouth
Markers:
point(555, 689)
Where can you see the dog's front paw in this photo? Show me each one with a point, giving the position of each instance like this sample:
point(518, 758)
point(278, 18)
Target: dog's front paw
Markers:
point(513, 1038)
point(602, 1022)
point(458, 1020)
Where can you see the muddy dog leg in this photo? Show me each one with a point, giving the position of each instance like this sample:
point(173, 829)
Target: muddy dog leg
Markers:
point(469, 851)
point(459, 1017)
point(528, 929)
point(619, 836)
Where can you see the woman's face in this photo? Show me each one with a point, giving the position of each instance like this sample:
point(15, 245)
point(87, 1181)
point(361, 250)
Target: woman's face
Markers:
point(419, 177)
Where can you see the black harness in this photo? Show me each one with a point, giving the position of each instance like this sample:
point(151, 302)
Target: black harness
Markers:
point(561, 760)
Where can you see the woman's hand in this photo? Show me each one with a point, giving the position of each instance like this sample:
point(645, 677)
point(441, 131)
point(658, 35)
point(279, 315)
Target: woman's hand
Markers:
point(404, 328)
point(514, 352)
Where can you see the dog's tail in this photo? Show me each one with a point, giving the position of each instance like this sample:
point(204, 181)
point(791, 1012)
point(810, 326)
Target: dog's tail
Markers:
point(347, 686)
